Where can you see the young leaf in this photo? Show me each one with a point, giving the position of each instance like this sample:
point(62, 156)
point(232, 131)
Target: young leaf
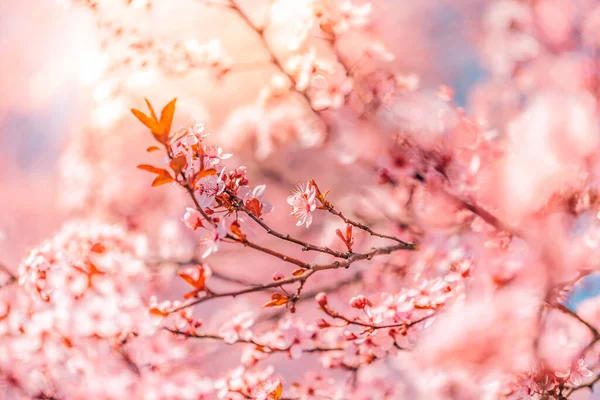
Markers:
point(298, 272)
point(163, 178)
point(98, 248)
point(277, 299)
point(152, 148)
point(150, 123)
point(151, 168)
point(235, 228)
point(152, 114)
point(254, 206)
point(178, 164)
point(166, 118)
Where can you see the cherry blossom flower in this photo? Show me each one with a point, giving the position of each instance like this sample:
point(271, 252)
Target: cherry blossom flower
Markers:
point(303, 202)
point(576, 373)
point(212, 240)
point(192, 218)
point(238, 328)
point(330, 91)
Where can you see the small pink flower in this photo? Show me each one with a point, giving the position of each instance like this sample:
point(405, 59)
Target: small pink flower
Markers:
point(304, 203)
point(301, 67)
point(258, 193)
point(238, 328)
point(192, 218)
point(359, 302)
point(352, 16)
point(330, 91)
point(213, 155)
point(212, 240)
point(576, 373)
point(269, 390)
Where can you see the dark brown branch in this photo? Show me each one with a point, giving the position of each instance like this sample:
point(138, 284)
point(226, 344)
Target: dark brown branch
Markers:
point(364, 227)
point(265, 348)
point(215, 274)
point(239, 205)
point(406, 324)
point(299, 278)
point(589, 385)
point(592, 329)
point(310, 295)
point(271, 252)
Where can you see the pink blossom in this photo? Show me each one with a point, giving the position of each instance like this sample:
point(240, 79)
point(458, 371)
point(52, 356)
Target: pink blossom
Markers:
point(212, 239)
point(576, 373)
point(303, 202)
point(330, 91)
point(238, 328)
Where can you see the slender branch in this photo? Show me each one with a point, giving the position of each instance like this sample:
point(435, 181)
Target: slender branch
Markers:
point(299, 278)
point(485, 215)
point(263, 347)
point(592, 329)
point(216, 274)
point(329, 207)
point(239, 205)
point(232, 5)
point(350, 321)
point(271, 252)
point(310, 295)
point(589, 385)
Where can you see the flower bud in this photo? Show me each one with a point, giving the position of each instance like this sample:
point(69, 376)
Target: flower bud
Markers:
point(321, 299)
point(359, 302)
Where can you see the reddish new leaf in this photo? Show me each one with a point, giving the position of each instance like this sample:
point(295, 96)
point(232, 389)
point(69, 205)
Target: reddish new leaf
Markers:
point(149, 122)
point(152, 113)
point(166, 118)
point(178, 164)
point(277, 299)
point(151, 168)
point(163, 178)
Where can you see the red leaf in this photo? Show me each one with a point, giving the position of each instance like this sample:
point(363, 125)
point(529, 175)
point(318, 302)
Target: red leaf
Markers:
point(150, 123)
point(151, 168)
point(156, 311)
point(277, 299)
point(254, 206)
point(166, 117)
point(161, 179)
point(235, 228)
point(98, 248)
point(152, 148)
point(178, 164)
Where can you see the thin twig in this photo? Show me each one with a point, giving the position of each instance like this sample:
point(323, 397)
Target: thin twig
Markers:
point(299, 278)
point(364, 227)
point(271, 252)
point(269, 349)
point(239, 205)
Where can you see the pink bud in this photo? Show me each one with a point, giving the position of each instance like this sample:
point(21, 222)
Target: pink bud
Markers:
point(359, 302)
point(278, 275)
point(323, 324)
point(321, 298)
point(348, 335)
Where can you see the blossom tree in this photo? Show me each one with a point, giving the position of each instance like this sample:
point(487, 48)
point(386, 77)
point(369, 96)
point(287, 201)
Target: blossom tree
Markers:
point(346, 233)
